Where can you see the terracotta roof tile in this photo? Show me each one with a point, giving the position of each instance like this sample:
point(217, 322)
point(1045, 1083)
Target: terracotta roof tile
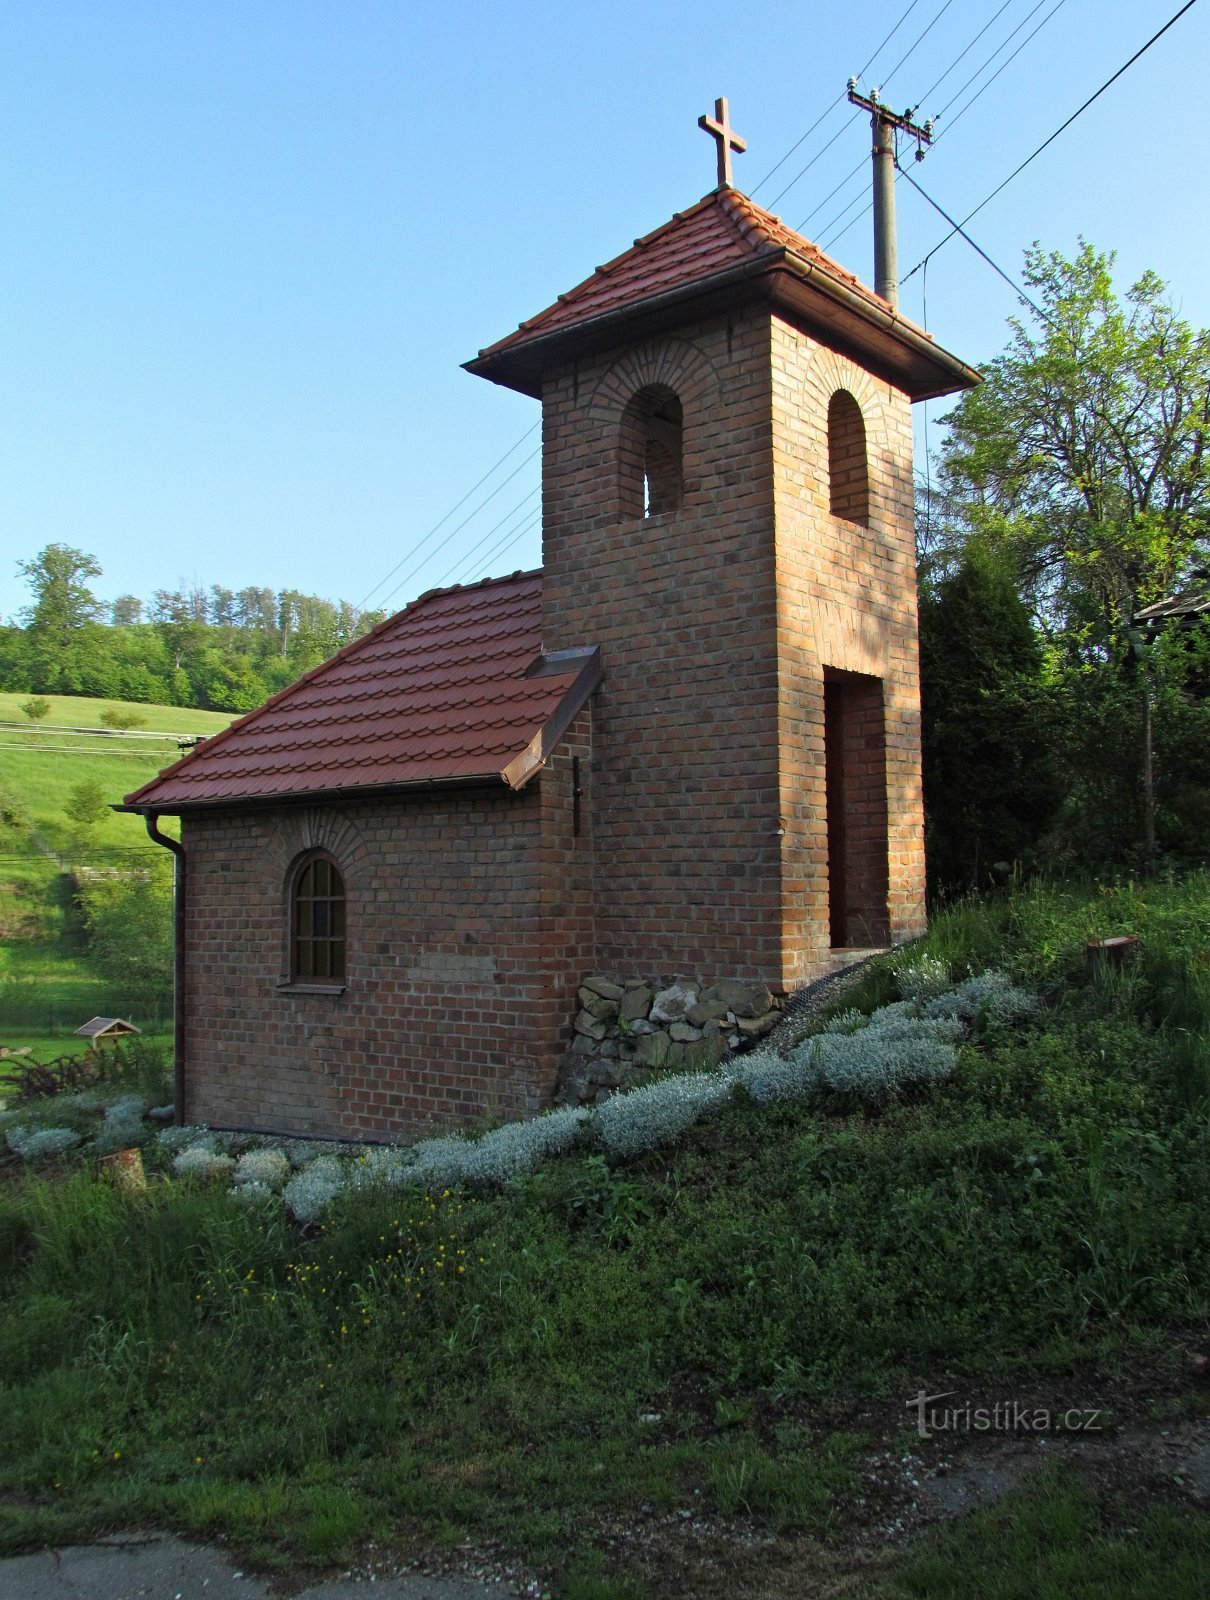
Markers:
point(435, 693)
point(723, 230)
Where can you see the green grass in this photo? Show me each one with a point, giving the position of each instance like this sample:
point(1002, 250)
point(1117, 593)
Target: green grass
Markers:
point(673, 1333)
point(41, 765)
point(46, 984)
point(1059, 1540)
point(46, 993)
point(81, 711)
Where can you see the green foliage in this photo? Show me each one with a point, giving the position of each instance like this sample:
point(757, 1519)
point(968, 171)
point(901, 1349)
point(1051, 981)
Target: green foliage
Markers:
point(86, 803)
point(188, 647)
point(1058, 1540)
point(122, 717)
point(990, 785)
point(1082, 457)
point(1080, 468)
point(626, 1332)
point(129, 920)
point(35, 708)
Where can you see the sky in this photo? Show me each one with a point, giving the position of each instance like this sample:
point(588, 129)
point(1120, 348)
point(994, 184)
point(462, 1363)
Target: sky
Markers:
point(246, 246)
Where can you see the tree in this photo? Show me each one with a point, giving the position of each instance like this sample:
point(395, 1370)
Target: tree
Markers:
point(84, 807)
point(60, 619)
point(129, 919)
point(1082, 459)
point(62, 600)
point(989, 784)
point(1082, 464)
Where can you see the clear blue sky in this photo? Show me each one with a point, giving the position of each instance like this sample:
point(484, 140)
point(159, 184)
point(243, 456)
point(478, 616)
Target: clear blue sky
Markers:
point(246, 246)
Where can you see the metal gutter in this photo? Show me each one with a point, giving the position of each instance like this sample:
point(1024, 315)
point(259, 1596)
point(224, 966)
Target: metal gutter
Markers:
point(179, 890)
point(310, 797)
point(520, 365)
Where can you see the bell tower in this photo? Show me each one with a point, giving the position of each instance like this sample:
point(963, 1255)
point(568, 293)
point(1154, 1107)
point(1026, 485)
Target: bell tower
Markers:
point(728, 516)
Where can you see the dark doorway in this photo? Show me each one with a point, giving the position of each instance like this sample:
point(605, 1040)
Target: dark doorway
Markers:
point(855, 779)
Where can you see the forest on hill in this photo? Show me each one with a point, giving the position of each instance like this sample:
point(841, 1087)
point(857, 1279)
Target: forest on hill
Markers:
point(210, 648)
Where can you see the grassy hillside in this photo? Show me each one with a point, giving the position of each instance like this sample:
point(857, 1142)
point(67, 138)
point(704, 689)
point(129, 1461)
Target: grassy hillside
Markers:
point(42, 761)
point(685, 1370)
point(45, 979)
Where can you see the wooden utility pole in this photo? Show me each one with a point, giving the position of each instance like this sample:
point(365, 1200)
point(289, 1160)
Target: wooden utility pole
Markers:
point(884, 123)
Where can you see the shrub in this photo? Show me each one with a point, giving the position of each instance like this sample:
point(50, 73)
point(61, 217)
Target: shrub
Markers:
point(266, 1169)
point(122, 1125)
point(922, 978)
point(37, 1144)
point(35, 708)
point(310, 1192)
point(198, 1162)
point(122, 717)
point(644, 1118)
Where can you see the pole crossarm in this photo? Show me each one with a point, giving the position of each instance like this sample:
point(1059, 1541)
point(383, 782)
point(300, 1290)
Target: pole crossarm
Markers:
point(884, 124)
point(922, 132)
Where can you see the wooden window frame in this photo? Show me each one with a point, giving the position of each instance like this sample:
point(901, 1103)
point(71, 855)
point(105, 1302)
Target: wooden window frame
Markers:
point(318, 923)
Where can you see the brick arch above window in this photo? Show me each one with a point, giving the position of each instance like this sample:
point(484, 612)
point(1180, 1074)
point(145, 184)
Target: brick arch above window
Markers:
point(848, 460)
point(675, 364)
point(318, 827)
point(318, 929)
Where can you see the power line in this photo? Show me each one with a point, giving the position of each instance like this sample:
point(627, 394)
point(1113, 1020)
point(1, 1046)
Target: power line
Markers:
point(937, 82)
point(919, 41)
point(460, 564)
point(1006, 3)
point(903, 172)
point(823, 117)
point(57, 728)
point(501, 548)
point(455, 531)
point(832, 239)
point(1003, 67)
point(802, 173)
point(457, 506)
point(848, 178)
point(1188, 6)
point(82, 750)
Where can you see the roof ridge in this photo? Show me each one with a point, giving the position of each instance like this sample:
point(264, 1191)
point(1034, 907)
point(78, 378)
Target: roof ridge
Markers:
point(643, 242)
point(731, 208)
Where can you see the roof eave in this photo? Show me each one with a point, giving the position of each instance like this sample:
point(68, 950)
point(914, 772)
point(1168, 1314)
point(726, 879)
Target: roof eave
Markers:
point(537, 752)
point(800, 289)
point(367, 791)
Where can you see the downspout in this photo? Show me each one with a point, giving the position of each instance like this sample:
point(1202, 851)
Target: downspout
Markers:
point(152, 819)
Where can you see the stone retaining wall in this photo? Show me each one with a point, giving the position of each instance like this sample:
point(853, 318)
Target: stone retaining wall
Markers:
point(628, 1029)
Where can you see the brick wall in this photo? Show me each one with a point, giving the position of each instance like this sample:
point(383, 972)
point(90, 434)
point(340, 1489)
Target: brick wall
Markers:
point(846, 601)
point(682, 605)
point(716, 622)
point(447, 1011)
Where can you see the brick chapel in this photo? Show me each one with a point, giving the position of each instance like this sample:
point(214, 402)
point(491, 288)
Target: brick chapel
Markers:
point(688, 747)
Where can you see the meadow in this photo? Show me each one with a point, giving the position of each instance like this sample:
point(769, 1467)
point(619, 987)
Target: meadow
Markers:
point(48, 986)
point(611, 1367)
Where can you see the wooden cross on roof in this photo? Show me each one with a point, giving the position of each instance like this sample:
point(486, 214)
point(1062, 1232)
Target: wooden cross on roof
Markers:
point(719, 128)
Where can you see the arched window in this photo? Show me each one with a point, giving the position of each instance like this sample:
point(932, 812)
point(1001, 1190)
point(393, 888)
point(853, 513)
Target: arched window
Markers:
point(317, 921)
point(848, 473)
point(651, 449)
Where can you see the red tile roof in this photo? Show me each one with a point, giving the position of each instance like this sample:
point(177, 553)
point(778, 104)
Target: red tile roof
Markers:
point(437, 692)
point(725, 229)
point(725, 250)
